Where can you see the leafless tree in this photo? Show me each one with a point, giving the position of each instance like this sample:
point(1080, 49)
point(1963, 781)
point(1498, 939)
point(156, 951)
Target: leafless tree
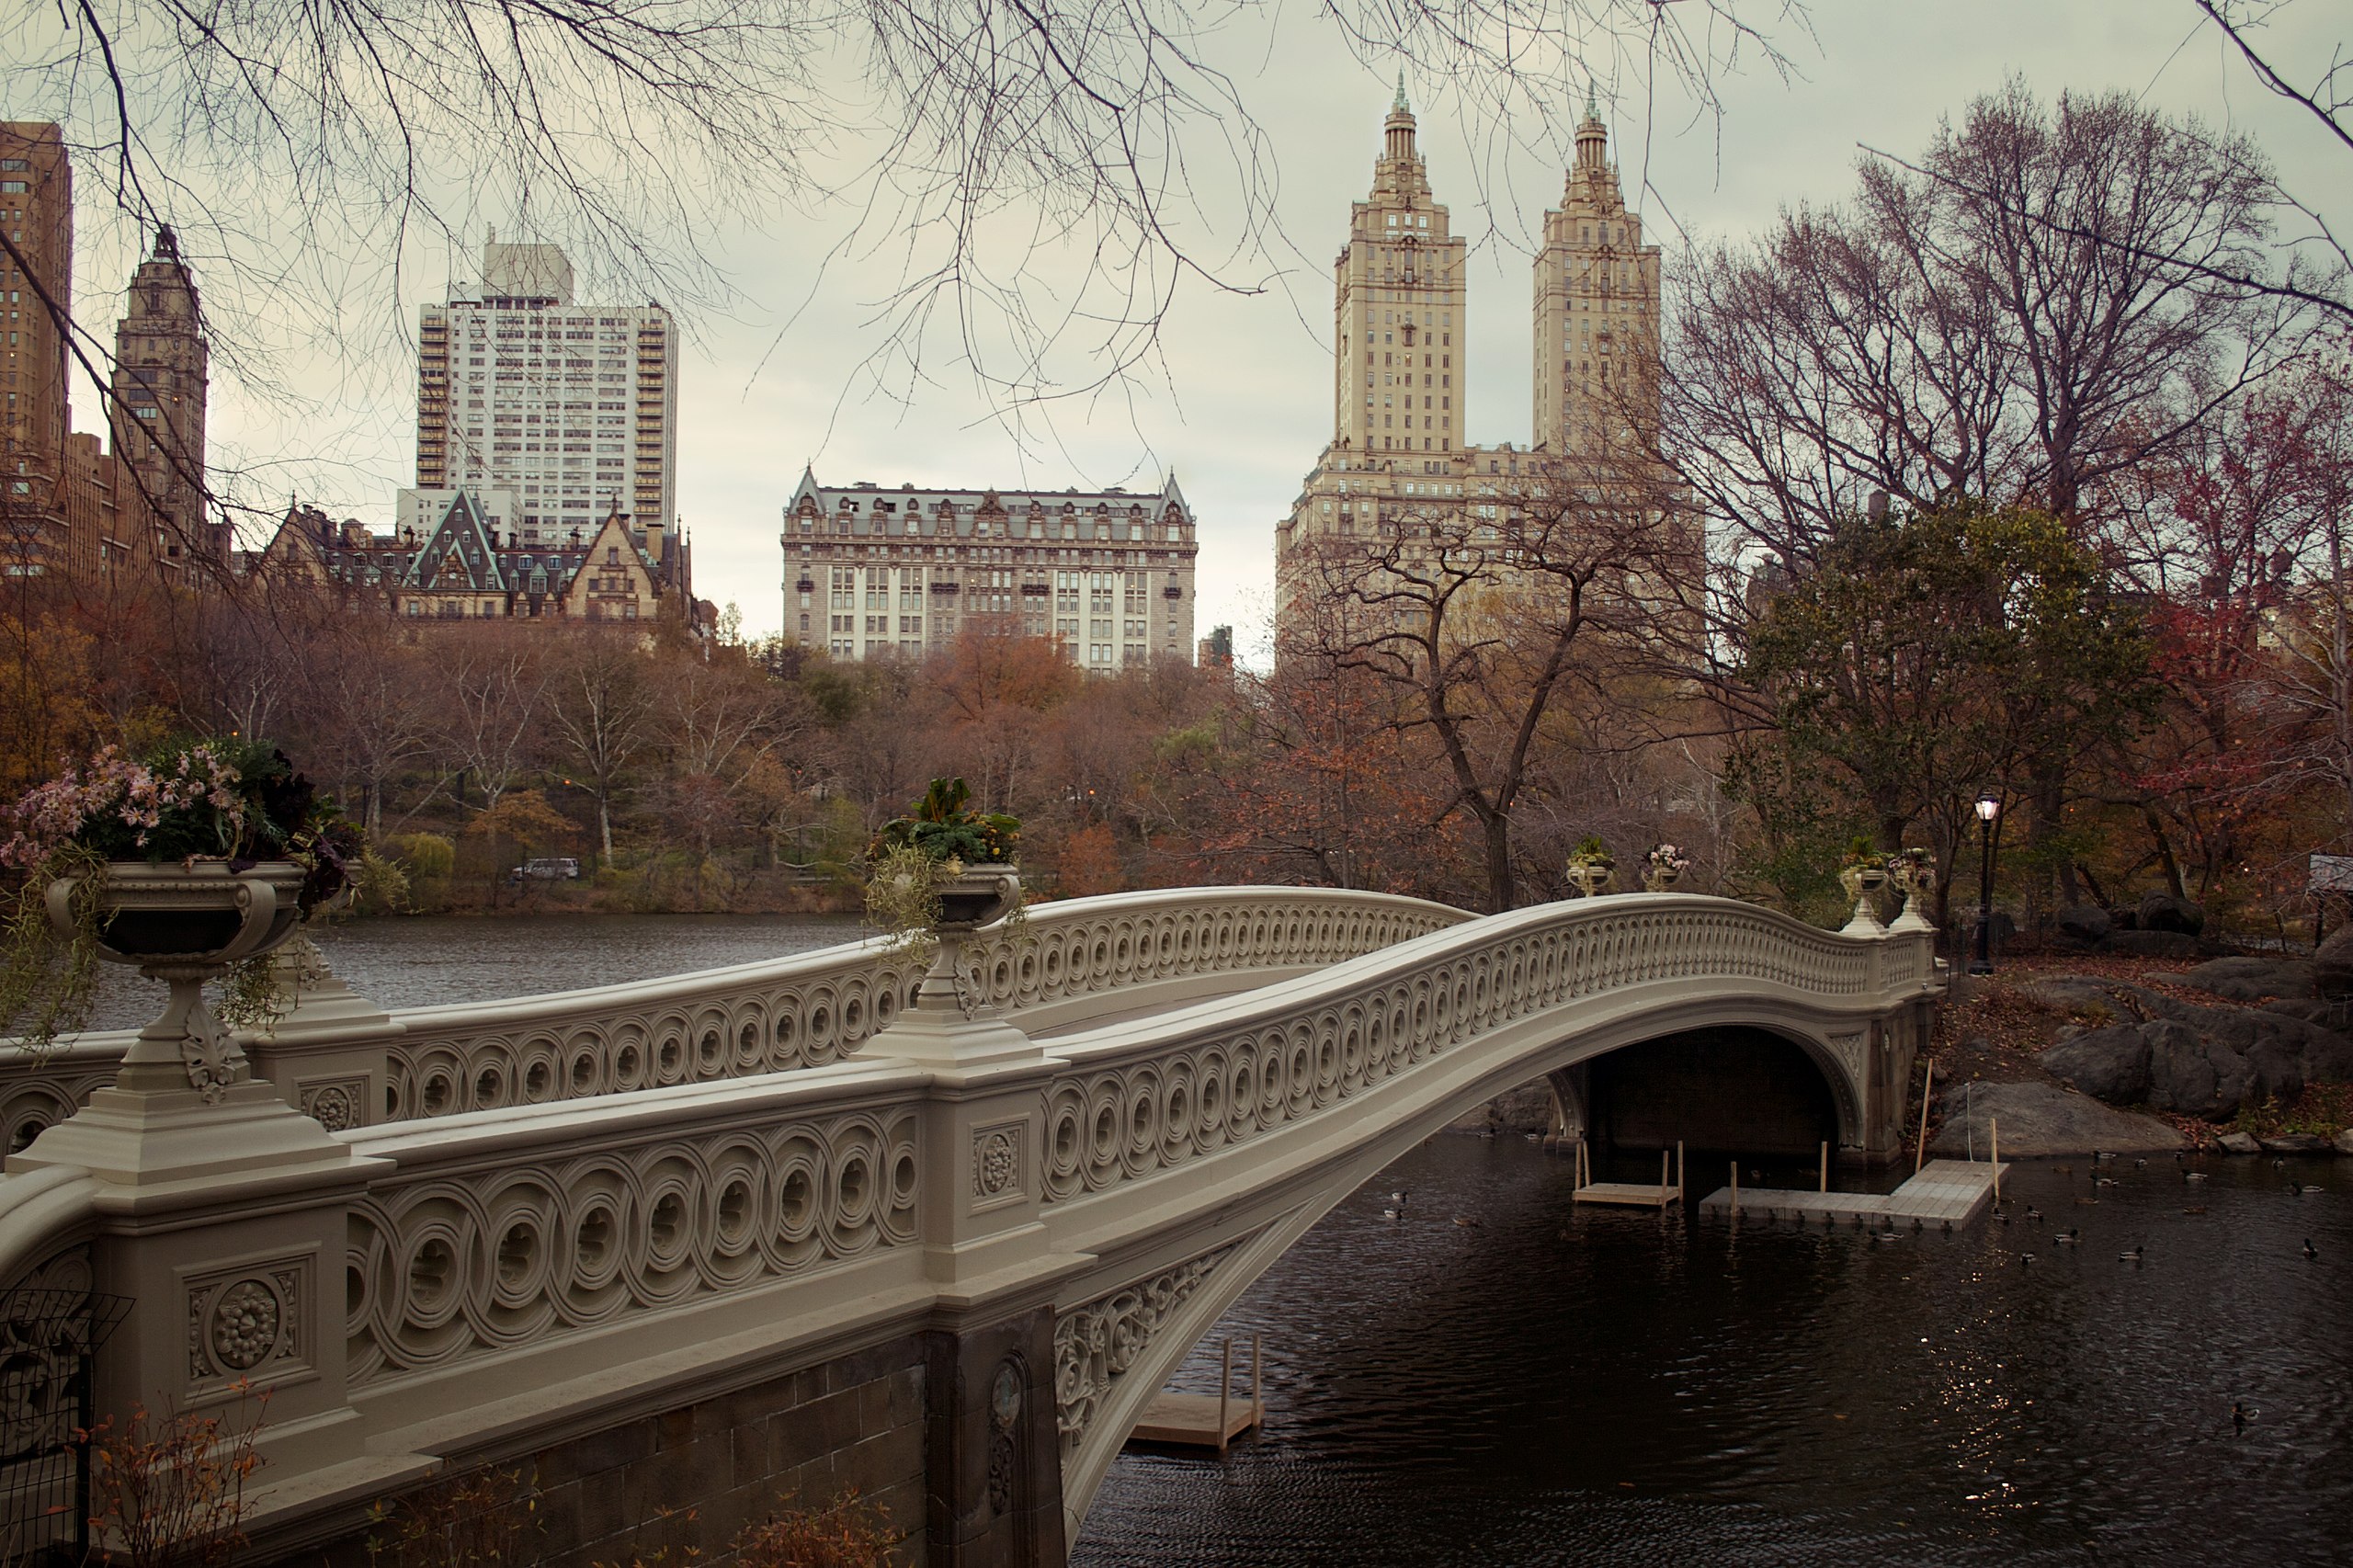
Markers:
point(2037, 307)
point(1479, 614)
point(493, 686)
point(601, 707)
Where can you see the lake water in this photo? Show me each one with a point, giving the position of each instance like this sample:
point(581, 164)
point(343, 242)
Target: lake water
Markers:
point(1557, 1385)
point(1567, 1385)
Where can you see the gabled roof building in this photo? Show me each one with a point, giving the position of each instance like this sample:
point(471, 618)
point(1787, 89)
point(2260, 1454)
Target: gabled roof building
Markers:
point(468, 566)
point(873, 571)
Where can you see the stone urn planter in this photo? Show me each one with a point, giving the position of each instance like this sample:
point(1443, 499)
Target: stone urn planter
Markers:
point(1914, 873)
point(1860, 881)
point(982, 894)
point(184, 924)
point(1592, 878)
point(1863, 879)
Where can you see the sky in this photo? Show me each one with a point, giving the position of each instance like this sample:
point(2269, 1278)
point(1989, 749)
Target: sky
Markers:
point(1237, 403)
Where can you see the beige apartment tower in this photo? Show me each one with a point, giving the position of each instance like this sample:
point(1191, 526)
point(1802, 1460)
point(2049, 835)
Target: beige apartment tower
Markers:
point(572, 408)
point(1397, 310)
point(1596, 308)
point(1397, 448)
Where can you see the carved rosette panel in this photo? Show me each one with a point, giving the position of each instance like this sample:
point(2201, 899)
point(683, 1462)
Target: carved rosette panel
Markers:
point(246, 1322)
point(1197, 1095)
point(998, 1163)
point(1096, 1344)
point(444, 1268)
point(336, 1104)
point(819, 1016)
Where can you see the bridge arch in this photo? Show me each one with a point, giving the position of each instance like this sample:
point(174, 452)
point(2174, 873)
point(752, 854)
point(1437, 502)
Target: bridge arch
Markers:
point(1181, 1204)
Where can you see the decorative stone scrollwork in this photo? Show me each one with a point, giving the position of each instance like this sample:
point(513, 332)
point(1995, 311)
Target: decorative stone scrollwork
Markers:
point(1198, 1094)
point(339, 1105)
point(30, 1105)
point(996, 1160)
point(205, 1051)
point(245, 1321)
point(1096, 1344)
point(448, 1268)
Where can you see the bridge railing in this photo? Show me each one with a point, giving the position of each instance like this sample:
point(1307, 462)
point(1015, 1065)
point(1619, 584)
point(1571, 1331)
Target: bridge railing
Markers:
point(1149, 1097)
point(523, 1247)
point(351, 1064)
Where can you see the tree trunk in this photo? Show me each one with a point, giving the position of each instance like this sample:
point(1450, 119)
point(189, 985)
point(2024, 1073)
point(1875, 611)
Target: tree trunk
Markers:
point(1502, 887)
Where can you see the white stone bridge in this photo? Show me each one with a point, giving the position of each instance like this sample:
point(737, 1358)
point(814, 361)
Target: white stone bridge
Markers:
point(696, 1242)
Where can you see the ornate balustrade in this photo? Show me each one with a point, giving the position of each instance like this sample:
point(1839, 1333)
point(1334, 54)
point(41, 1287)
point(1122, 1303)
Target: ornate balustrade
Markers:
point(1141, 1100)
point(485, 1239)
point(1068, 958)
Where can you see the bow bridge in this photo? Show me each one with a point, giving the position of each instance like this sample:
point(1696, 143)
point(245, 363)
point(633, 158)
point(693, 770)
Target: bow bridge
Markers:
point(802, 1225)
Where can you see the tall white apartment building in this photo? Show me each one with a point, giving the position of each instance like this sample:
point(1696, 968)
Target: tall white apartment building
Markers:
point(894, 571)
point(572, 408)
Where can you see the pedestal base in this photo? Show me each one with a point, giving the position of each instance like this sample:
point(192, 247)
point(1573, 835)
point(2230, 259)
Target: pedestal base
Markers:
point(147, 1137)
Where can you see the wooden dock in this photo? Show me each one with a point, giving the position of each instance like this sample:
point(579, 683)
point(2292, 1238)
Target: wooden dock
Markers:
point(1632, 1195)
point(1205, 1420)
point(1945, 1190)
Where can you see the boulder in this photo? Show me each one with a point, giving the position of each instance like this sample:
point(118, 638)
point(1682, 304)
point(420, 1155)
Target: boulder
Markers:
point(2344, 1141)
point(2152, 944)
point(2295, 1144)
point(2147, 1048)
point(2042, 1118)
point(2333, 964)
point(2109, 1064)
point(2163, 912)
point(2086, 924)
point(2124, 917)
point(2254, 979)
point(2240, 1144)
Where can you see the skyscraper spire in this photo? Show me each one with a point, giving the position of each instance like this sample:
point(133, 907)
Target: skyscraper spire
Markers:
point(1402, 106)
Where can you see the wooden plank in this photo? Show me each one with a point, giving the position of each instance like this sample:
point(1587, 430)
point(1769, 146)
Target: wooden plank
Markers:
point(1628, 1193)
point(1191, 1420)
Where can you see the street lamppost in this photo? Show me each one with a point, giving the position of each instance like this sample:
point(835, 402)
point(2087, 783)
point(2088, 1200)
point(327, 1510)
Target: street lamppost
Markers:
point(1989, 806)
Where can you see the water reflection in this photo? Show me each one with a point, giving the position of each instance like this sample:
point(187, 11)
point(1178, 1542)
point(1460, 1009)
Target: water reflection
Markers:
point(428, 960)
point(1558, 1386)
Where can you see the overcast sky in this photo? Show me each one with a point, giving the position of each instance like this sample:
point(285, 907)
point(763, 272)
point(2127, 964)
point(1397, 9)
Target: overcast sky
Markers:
point(1244, 404)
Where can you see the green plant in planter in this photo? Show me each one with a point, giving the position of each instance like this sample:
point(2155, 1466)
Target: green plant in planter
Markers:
point(187, 800)
point(934, 846)
point(1591, 851)
point(943, 829)
point(1861, 851)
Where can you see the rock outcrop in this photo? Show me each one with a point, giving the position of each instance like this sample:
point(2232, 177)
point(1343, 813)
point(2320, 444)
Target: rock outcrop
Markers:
point(2151, 1049)
point(2040, 1118)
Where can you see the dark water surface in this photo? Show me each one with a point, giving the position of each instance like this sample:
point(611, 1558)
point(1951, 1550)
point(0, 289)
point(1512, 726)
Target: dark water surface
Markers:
point(424, 960)
point(1556, 1386)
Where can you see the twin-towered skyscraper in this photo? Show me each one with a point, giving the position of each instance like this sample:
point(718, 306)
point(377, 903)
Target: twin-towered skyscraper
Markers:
point(1401, 366)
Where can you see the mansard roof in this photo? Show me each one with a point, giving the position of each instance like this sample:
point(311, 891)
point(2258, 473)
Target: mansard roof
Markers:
point(864, 499)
